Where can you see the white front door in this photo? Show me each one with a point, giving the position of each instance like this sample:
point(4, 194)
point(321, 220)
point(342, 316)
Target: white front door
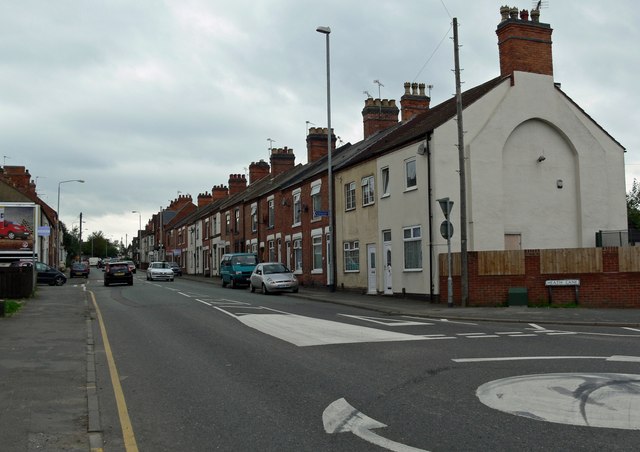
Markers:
point(371, 269)
point(388, 288)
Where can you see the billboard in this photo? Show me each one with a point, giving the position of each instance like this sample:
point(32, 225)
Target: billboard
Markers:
point(17, 228)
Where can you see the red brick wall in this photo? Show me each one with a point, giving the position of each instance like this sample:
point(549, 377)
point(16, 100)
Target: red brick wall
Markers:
point(525, 46)
point(607, 289)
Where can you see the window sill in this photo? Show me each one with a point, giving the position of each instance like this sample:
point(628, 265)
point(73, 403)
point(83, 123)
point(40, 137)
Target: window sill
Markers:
point(412, 270)
point(408, 189)
point(316, 272)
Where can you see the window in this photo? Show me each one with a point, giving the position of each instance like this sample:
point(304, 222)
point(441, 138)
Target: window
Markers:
point(384, 175)
point(412, 248)
point(297, 208)
point(254, 217)
point(272, 213)
point(297, 254)
point(228, 231)
point(317, 253)
point(410, 173)
point(316, 201)
point(272, 251)
point(350, 196)
point(352, 256)
point(368, 191)
point(237, 225)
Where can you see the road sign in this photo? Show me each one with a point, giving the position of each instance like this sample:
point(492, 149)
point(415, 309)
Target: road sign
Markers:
point(320, 213)
point(446, 229)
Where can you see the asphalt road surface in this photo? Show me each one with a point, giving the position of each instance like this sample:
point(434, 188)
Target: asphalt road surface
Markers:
point(194, 367)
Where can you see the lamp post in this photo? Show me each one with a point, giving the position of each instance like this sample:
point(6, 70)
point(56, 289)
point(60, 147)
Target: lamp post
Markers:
point(58, 256)
point(139, 238)
point(330, 282)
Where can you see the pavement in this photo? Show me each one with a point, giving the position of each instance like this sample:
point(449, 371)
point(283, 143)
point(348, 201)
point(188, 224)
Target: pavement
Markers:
point(47, 369)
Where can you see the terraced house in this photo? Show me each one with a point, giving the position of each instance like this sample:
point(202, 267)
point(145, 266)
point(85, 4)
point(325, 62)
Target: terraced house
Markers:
point(540, 173)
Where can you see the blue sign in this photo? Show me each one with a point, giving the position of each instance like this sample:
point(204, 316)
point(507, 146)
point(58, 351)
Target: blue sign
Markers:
point(320, 213)
point(44, 231)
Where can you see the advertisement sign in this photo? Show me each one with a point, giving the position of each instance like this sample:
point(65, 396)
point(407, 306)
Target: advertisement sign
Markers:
point(17, 226)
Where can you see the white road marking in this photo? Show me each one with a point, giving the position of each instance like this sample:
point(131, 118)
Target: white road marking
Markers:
point(605, 400)
point(453, 321)
point(203, 302)
point(184, 294)
point(470, 334)
point(482, 336)
point(385, 321)
point(341, 417)
point(630, 329)
point(627, 359)
point(306, 331)
point(522, 358)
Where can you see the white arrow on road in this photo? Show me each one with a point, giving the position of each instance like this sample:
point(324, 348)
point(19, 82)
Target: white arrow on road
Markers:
point(340, 417)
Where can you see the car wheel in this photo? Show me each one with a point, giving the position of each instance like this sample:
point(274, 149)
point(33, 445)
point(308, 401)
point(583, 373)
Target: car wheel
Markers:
point(224, 283)
point(295, 290)
point(11, 235)
point(130, 282)
point(233, 284)
point(253, 289)
point(148, 279)
point(264, 289)
point(171, 280)
point(59, 281)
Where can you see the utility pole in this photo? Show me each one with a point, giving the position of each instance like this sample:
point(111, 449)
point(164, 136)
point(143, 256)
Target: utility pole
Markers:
point(464, 273)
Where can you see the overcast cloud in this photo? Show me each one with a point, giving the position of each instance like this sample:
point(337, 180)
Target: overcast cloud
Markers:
point(145, 99)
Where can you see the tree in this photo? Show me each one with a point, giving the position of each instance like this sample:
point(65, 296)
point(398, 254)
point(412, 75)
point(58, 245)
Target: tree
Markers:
point(633, 206)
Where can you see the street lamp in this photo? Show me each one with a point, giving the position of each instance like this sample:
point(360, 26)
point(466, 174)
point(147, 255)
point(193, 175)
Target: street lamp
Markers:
point(58, 211)
point(139, 233)
point(326, 31)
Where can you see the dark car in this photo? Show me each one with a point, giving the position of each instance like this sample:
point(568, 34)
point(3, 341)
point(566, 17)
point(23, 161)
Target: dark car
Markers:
point(79, 269)
point(117, 272)
point(49, 275)
point(176, 268)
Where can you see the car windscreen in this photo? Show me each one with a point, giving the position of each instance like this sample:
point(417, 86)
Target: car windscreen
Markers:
point(244, 260)
point(118, 267)
point(275, 268)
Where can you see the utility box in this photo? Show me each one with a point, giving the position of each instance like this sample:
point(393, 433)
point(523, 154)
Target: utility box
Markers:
point(518, 296)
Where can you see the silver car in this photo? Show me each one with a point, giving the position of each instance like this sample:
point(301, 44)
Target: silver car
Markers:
point(159, 271)
point(273, 277)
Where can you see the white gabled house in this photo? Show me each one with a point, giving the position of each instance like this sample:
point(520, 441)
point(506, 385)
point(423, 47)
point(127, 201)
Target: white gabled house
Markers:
point(540, 172)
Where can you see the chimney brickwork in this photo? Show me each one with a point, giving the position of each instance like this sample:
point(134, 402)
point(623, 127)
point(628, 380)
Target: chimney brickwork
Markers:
point(282, 160)
point(524, 45)
point(317, 143)
point(258, 171)
point(237, 183)
point(414, 101)
point(204, 199)
point(219, 192)
point(378, 114)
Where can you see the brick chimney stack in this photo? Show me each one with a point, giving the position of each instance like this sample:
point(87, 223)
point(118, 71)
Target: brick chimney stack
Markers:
point(20, 178)
point(258, 171)
point(219, 192)
point(414, 101)
point(317, 143)
point(204, 199)
point(378, 114)
point(524, 45)
point(179, 202)
point(282, 160)
point(237, 183)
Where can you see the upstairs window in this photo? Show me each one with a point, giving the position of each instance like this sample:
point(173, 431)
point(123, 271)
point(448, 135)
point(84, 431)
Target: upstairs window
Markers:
point(368, 191)
point(384, 176)
point(350, 196)
point(410, 173)
point(297, 209)
point(272, 213)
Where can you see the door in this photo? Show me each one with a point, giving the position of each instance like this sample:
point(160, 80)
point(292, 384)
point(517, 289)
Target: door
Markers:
point(388, 275)
point(329, 255)
point(371, 269)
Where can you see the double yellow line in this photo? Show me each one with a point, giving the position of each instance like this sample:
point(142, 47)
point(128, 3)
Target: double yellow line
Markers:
point(125, 423)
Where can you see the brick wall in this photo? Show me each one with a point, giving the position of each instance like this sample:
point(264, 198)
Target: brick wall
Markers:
point(608, 288)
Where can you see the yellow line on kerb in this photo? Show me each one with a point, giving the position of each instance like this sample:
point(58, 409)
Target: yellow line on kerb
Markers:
point(127, 430)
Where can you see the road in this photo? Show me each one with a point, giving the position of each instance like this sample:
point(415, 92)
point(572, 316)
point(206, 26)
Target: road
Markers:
point(196, 367)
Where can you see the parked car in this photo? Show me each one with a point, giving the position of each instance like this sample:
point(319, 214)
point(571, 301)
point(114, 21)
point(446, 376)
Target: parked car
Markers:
point(177, 271)
point(13, 230)
point(273, 277)
point(80, 269)
point(160, 271)
point(132, 266)
point(117, 272)
point(49, 275)
point(236, 268)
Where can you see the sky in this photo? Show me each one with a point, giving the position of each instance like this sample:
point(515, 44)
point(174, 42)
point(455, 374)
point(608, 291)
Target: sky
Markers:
point(147, 100)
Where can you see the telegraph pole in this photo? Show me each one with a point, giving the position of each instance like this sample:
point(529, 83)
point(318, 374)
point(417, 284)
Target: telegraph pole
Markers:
point(464, 274)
